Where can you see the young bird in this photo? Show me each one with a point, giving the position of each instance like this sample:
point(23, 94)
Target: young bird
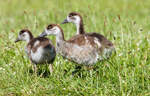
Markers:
point(39, 50)
point(83, 54)
point(106, 48)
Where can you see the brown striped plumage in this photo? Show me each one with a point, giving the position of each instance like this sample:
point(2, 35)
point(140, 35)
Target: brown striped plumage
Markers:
point(107, 46)
point(81, 53)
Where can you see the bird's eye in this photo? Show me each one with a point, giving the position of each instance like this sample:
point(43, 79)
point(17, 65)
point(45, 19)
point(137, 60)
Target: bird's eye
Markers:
point(70, 15)
point(23, 35)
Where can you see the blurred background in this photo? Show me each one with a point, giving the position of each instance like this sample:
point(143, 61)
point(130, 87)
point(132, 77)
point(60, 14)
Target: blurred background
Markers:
point(125, 22)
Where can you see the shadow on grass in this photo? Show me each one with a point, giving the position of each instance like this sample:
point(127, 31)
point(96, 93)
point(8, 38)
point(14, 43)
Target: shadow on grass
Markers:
point(78, 71)
point(81, 71)
point(40, 73)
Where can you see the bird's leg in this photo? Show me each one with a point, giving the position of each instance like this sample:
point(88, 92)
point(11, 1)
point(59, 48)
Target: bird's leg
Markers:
point(35, 68)
point(51, 68)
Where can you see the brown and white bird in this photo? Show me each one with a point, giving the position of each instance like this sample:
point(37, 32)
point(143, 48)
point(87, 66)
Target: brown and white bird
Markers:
point(106, 48)
point(78, 52)
point(39, 50)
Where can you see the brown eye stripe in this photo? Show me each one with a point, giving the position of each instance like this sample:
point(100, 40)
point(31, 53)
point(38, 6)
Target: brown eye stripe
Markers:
point(72, 14)
point(51, 26)
point(24, 30)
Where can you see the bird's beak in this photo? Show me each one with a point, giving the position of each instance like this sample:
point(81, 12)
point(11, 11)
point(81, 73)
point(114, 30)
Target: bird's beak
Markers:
point(17, 40)
point(65, 21)
point(43, 34)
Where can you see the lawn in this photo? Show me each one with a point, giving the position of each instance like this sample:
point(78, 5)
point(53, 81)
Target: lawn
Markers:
point(125, 22)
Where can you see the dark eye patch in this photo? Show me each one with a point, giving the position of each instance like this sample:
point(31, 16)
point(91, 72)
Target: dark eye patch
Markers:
point(22, 31)
point(72, 14)
point(49, 26)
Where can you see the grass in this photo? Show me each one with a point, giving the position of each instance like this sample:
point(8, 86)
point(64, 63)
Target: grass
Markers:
point(125, 22)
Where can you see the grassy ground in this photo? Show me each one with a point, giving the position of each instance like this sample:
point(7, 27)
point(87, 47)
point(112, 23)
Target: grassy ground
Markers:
point(125, 22)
